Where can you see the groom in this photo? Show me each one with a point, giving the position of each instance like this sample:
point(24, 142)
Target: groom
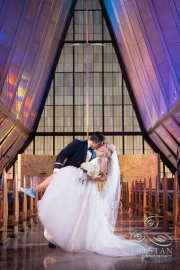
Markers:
point(77, 152)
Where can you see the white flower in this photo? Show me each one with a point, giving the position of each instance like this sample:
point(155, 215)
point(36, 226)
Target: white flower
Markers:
point(90, 168)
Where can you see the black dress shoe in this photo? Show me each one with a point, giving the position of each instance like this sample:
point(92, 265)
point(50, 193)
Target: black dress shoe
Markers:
point(51, 245)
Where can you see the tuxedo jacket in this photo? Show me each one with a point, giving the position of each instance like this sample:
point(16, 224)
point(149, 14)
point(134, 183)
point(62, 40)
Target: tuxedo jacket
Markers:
point(74, 154)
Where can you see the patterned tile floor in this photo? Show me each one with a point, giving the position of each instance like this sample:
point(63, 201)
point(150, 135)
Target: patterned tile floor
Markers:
point(30, 251)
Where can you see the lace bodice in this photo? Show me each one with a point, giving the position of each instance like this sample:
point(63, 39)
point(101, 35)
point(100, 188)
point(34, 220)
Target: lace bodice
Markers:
point(92, 168)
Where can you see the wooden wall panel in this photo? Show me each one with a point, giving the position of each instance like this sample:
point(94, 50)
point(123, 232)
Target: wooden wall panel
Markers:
point(132, 167)
point(35, 165)
point(136, 167)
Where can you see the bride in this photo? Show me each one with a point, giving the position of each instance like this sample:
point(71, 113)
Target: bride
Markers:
point(79, 218)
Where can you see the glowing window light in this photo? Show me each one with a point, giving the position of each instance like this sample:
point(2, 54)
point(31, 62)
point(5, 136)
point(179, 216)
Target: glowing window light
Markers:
point(26, 107)
point(10, 82)
point(19, 98)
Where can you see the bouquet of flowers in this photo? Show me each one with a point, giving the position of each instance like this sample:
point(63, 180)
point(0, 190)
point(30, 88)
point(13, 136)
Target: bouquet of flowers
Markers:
point(90, 169)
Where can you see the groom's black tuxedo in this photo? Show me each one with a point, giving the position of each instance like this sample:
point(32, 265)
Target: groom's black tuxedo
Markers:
point(74, 154)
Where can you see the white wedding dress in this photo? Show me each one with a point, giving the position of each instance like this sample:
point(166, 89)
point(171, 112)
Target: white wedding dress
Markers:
point(73, 214)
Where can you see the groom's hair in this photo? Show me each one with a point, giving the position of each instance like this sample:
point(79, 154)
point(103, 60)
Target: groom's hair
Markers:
point(97, 137)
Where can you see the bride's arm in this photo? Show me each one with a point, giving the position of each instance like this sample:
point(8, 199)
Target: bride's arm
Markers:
point(103, 170)
point(99, 178)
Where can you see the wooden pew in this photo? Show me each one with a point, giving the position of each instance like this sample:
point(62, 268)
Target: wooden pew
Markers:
point(171, 202)
point(23, 209)
point(145, 199)
point(176, 205)
point(136, 196)
point(125, 195)
point(35, 182)
point(1, 209)
point(150, 196)
point(140, 197)
point(128, 195)
point(133, 195)
point(146, 194)
point(13, 208)
point(158, 201)
point(4, 211)
point(30, 203)
point(150, 200)
point(163, 203)
point(35, 210)
point(167, 203)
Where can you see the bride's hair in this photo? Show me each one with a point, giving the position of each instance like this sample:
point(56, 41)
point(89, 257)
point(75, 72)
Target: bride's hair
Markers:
point(109, 150)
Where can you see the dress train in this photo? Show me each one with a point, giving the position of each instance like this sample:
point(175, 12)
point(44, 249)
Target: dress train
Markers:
point(73, 216)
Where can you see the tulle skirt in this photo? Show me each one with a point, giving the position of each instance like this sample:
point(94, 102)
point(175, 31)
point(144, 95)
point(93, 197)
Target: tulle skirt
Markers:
point(73, 217)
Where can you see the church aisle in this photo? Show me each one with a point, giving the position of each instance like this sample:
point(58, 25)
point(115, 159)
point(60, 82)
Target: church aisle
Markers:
point(30, 251)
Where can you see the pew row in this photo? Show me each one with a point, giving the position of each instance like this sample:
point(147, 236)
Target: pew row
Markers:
point(162, 200)
point(17, 210)
point(3, 211)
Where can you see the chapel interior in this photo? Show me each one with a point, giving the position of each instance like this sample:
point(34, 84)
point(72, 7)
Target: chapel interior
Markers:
point(69, 68)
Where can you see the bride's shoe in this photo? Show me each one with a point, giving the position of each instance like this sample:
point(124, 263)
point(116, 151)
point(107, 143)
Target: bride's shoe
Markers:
point(29, 192)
